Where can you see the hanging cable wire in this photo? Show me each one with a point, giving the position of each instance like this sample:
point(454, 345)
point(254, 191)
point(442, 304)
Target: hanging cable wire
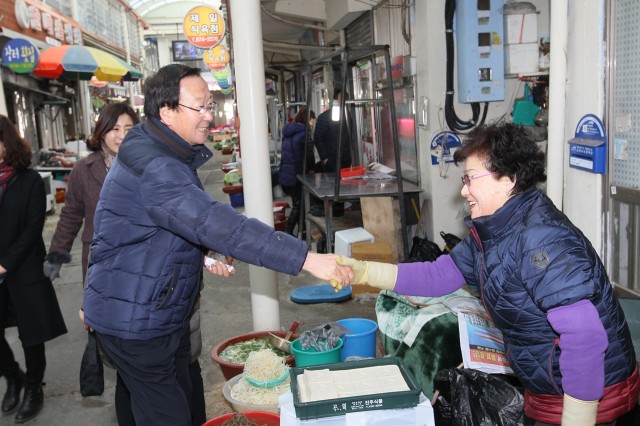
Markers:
point(454, 122)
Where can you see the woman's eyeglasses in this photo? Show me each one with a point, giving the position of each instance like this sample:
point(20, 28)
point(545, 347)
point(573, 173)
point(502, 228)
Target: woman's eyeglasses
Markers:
point(202, 110)
point(466, 179)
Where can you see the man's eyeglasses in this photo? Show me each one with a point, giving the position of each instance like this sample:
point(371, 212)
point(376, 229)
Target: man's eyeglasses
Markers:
point(203, 109)
point(466, 179)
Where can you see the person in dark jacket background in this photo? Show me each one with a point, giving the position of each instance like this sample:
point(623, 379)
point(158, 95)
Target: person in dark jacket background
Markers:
point(326, 137)
point(27, 297)
point(292, 156)
point(539, 278)
point(153, 225)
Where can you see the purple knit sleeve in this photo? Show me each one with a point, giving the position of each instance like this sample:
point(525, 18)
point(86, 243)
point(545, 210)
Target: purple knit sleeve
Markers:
point(583, 341)
point(431, 279)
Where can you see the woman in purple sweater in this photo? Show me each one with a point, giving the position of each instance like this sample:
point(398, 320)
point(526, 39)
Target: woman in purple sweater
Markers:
point(538, 277)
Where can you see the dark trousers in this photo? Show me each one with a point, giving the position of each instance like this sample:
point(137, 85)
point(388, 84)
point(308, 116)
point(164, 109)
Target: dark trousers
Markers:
point(124, 412)
point(34, 357)
point(295, 192)
point(156, 373)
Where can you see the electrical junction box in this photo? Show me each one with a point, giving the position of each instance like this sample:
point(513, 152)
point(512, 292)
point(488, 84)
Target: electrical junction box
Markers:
point(521, 58)
point(588, 150)
point(520, 23)
point(480, 50)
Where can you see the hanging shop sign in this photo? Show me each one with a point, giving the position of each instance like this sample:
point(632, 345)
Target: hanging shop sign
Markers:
point(216, 58)
point(19, 55)
point(222, 77)
point(204, 27)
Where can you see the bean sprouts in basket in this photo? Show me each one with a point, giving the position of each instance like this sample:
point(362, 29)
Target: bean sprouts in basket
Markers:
point(261, 366)
point(264, 365)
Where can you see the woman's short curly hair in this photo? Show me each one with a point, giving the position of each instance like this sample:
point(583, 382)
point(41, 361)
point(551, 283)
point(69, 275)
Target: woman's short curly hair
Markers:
point(508, 150)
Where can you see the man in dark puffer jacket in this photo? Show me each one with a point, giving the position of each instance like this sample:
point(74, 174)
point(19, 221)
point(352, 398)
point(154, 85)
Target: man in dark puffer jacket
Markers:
point(153, 224)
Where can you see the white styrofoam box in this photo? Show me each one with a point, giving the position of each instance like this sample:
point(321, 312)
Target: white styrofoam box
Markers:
point(521, 28)
point(520, 58)
point(344, 239)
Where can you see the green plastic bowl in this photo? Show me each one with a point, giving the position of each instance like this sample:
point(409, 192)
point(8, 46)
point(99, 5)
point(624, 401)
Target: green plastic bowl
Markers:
point(267, 383)
point(306, 357)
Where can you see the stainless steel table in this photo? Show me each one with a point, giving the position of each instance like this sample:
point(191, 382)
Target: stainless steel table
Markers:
point(322, 185)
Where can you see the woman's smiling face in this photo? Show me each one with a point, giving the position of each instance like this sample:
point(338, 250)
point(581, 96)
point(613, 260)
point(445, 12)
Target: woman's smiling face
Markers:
point(484, 192)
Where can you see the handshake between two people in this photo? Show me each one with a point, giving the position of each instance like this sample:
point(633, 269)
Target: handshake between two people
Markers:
point(340, 271)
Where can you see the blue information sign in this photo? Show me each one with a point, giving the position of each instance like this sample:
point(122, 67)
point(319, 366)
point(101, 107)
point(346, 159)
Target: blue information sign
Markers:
point(19, 55)
point(443, 145)
point(588, 150)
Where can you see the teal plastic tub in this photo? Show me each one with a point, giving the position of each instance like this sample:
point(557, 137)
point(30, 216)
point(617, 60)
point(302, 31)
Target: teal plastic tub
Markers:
point(306, 357)
point(361, 342)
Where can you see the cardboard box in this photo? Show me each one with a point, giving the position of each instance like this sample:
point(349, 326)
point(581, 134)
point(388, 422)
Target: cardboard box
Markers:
point(521, 58)
point(344, 240)
point(375, 252)
point(521, 28)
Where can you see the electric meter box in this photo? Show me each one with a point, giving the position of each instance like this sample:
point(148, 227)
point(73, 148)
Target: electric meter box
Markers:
point(588, 150)
point(480, 50)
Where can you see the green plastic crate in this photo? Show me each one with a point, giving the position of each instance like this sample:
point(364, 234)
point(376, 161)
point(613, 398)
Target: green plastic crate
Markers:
point(341, 406)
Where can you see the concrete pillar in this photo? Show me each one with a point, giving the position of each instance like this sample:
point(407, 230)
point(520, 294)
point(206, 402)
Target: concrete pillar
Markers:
point(556, 144)
point(254, 139)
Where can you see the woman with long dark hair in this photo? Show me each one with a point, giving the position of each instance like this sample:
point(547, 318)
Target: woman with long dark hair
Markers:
point(27, 297)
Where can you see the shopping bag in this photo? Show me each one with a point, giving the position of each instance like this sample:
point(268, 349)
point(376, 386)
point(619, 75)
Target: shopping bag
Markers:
point(91, 369)
point(470, 397)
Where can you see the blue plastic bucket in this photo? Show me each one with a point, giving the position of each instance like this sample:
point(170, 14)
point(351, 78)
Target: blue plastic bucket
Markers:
point(362, 339)
point(237, 199)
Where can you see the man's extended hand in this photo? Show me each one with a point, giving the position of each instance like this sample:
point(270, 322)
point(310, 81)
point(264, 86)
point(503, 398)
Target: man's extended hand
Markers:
point(325, 267)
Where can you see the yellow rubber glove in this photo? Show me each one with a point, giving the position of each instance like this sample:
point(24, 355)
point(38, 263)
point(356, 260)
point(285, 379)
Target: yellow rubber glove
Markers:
point(376, 274)
point(577, 412)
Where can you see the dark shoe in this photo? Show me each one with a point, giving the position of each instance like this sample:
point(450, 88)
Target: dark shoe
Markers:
point(12, 395)
point(32, 402)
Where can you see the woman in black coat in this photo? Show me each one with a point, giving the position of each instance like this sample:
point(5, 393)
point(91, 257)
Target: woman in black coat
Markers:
point(27, 297)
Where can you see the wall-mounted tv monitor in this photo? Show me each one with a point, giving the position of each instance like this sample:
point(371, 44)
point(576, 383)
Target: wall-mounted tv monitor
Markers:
point(182, 50)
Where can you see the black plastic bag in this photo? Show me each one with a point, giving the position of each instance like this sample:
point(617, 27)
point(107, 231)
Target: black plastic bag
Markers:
point(91, 369)
point(423, 250)
point(474, 398)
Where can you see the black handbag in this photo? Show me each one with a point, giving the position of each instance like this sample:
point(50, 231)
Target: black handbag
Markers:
point(91, 369)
